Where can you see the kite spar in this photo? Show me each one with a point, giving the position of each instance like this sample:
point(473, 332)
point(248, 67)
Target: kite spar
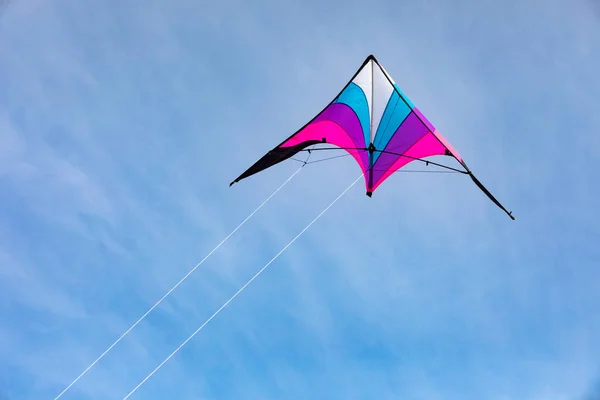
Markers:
point(376, 123)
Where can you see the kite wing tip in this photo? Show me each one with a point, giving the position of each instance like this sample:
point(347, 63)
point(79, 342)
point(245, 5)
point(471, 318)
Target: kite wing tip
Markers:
point(511, 216)
point(369, 194)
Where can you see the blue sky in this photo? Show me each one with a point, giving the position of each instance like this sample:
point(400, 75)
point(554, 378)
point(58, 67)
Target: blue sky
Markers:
point(122, 123)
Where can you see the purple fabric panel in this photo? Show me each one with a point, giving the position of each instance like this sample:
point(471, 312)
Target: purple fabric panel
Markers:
point(345, 116)
point(411, 130)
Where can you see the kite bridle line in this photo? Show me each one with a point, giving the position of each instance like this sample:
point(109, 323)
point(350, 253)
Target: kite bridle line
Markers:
point(181, 280)
point(243, 287)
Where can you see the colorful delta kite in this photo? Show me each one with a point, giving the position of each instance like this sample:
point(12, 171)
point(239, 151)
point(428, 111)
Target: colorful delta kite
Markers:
point(377, 124)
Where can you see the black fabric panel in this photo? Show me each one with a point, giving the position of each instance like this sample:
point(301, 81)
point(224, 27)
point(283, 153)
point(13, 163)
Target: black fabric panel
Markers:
point(273, 157)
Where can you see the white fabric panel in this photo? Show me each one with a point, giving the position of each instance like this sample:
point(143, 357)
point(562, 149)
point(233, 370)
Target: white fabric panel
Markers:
point(382, 90)
point(364, 80)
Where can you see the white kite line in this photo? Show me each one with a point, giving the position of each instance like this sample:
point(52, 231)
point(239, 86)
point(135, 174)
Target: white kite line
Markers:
point(241, 289)
point(176, 285)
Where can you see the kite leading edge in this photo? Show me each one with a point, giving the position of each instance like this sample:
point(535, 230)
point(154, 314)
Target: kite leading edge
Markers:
point(377, 124)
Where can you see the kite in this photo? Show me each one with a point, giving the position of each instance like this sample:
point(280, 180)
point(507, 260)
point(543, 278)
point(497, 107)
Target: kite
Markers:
point(378, 125)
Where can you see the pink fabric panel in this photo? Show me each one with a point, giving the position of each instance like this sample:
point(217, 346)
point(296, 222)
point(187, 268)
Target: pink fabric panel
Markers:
point(448, 145)
point(437, 134)
point(427, 146)
point(335, 136)
point(334, 133)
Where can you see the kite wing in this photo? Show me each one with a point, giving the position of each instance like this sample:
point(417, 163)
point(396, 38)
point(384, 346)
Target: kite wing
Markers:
point(374, 121)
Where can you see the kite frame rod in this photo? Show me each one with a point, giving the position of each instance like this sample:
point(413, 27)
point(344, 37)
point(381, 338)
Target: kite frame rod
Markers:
point(390, 152)
point(425, 161)
point(475, 180)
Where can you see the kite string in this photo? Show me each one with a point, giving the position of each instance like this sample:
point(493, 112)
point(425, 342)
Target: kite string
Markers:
point(177, 284)
point(241, 289)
